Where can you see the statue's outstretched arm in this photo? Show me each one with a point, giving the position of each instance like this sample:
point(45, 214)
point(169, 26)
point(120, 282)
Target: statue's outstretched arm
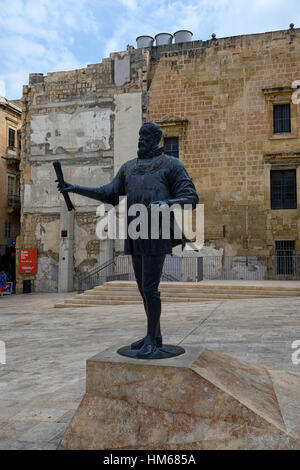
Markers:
point(108, 193)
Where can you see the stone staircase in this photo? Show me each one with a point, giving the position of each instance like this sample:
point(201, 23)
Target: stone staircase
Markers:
point(126, 292)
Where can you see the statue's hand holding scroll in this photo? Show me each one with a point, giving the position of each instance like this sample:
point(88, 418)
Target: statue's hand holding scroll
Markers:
point(65, 187)
point(62, 186)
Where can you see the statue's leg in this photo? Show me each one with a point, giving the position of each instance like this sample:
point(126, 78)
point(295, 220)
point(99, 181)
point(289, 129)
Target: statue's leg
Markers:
point(137, 263)
point(152, 269)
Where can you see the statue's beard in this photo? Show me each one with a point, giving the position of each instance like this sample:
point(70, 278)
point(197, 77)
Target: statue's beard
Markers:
point(146, 152)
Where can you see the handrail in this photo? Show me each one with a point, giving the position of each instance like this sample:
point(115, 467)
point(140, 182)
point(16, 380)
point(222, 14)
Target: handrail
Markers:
point(94, 273)
point(97, 269)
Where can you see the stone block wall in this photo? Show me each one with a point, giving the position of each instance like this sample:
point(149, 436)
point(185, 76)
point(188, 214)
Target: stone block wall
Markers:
point(217, 97)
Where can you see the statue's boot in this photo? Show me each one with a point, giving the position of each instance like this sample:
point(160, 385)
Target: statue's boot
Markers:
point(140, 342)
point(148, 348)
point(153, 317)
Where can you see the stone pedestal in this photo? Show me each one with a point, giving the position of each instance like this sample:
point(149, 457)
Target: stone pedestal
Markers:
point(200, 400)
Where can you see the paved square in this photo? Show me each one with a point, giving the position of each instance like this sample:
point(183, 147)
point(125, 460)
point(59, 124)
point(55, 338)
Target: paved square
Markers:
point(43, 380)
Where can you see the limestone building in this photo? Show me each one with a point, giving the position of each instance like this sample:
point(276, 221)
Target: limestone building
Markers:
point(231, 105)
point(228, 109)
point(10, 124)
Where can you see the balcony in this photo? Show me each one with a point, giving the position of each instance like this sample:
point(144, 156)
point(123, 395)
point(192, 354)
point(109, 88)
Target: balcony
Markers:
point(12, 156)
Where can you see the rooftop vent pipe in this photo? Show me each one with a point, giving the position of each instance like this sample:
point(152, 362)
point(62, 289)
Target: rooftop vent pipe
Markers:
point(144, 41)
point(183, 35)
point(163, 39)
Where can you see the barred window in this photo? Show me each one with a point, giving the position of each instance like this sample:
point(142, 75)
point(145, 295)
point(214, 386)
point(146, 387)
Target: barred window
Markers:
point(285, 251)
point(281, 118)
point(171, 146)
point(283, 189)
point(11, 137)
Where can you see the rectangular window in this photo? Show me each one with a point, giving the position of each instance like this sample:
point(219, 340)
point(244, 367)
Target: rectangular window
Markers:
point(7, 229)
point(11, 185)
point(281, 118)
point(283, 189)
point(285, 257)
point(11, 137)
point(171, 146)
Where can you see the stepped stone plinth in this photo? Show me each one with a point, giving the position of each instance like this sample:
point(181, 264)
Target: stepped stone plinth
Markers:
point(200, 400)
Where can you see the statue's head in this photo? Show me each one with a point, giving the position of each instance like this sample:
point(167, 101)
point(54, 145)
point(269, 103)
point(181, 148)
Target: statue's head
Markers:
point(149, 136)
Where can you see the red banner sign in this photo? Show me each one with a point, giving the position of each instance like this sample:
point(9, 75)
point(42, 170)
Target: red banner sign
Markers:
point(27, 261)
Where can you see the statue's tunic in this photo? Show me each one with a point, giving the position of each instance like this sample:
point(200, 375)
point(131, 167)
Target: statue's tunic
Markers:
point(143, 181)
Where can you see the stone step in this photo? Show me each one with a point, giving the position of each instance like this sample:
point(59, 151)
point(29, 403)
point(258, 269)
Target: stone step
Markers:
point(187, 286)
point(181, 297)
point(64, 305)
point(121, 301)
point(127, 293)
point(195, 292)
point(129, 300)
point(111, 302)
point(96, 303)
point(115, 298)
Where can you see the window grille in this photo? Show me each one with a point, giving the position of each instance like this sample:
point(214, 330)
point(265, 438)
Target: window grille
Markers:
point(285, 257)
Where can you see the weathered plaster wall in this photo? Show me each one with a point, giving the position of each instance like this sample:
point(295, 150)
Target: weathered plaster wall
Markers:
point(82, 130)
point(47, 239)
point(81, 118)
point(126, 127)
point(40, 193)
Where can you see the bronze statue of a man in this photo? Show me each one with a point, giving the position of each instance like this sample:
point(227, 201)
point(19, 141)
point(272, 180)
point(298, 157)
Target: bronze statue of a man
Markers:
point(152, 179)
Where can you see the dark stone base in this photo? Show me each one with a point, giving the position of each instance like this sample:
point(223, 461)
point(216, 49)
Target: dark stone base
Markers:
point(164, 352)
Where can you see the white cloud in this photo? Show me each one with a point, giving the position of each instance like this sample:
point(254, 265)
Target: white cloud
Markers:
point(21, 46)
point(35, 11)
point(70, 19)
point(112, 45)
point(49, 35)
point(38, 36)
point(131, 4)
point(202, 17)
point(2, 88)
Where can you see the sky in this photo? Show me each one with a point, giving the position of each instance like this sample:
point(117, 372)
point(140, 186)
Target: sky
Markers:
point(41, 36)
